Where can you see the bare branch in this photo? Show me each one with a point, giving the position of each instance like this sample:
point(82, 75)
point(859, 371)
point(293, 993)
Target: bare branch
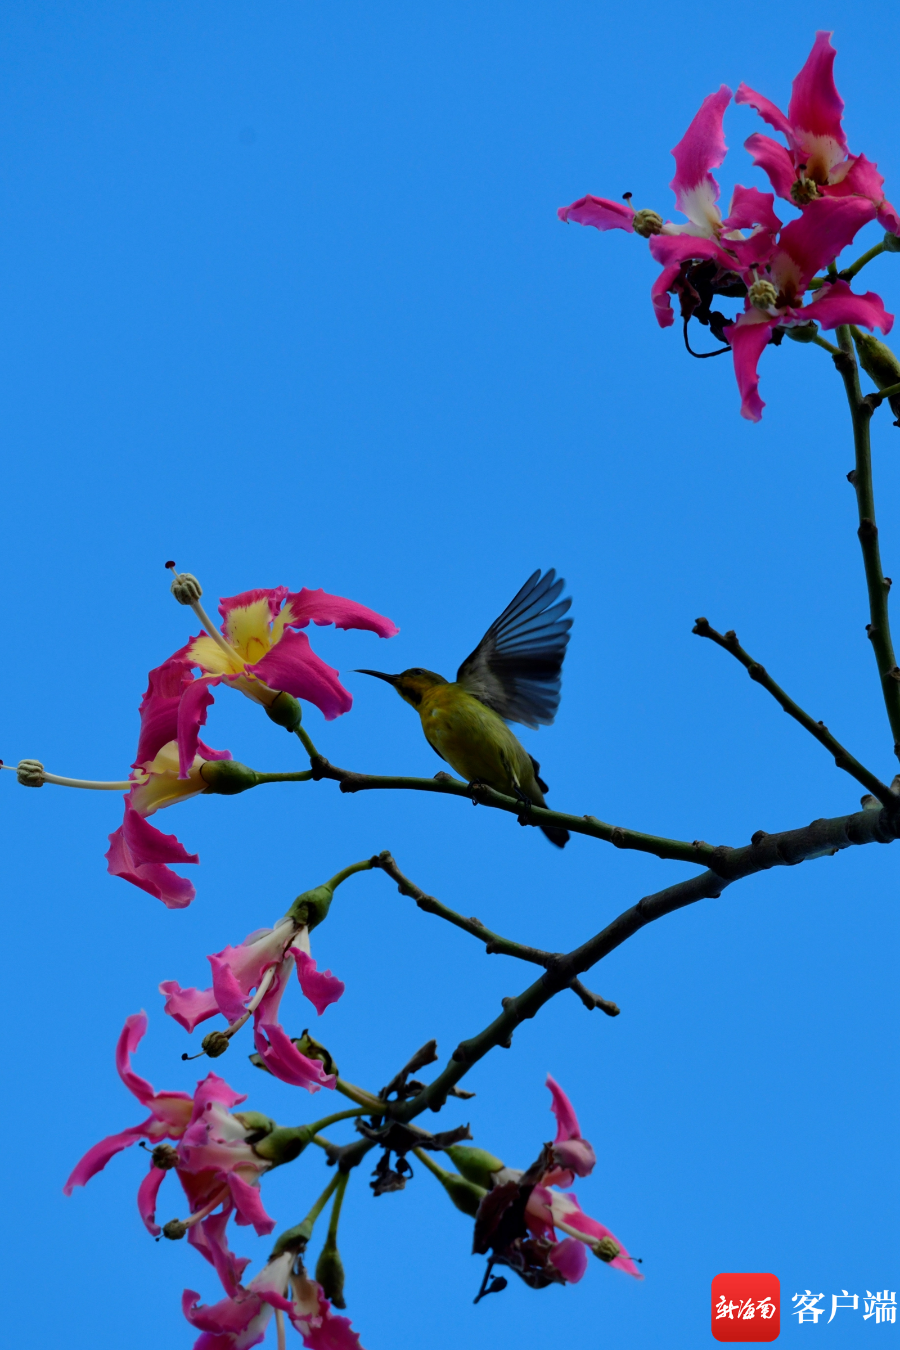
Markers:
point(842, 758)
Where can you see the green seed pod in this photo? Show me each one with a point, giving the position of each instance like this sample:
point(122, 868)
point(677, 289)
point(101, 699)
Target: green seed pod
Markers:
point(475, 1164)
point(330, 1273)
point(312, 907)
point(891, 243)
point(283, 1144)
point(879, 363)
point(465, 1195)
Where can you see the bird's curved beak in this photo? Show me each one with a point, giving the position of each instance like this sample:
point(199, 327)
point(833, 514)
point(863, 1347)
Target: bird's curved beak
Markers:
point(379, 675)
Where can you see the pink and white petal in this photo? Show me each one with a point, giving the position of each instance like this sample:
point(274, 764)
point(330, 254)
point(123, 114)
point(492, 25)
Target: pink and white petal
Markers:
point(248, 1205)
point(816, 108)
point(774, 160)
point(837, 304)
point(273, 598)
point(827, 226)
point(230, 1324)
point(862, 179)
point(147, 1194)
point(322, 608)
point(750, 207)
point(566, 1121)
point(701, 148)
point(214, 1090)
point(282, 1058)
point(575, 1155)
point(571, 1259)
point(189, 1007)
point(320, 986)
point(600, 212)
point(138, 853)
point(192, 710)
point(228, 993)
point(293, 667)
point(567, 1209)
point(766, 109)
point(99, 1155)
point(314, 1318)
point(747, 338)
point(210, 1239)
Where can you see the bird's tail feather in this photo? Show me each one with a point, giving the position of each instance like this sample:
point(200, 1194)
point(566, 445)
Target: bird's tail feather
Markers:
point(556, 834)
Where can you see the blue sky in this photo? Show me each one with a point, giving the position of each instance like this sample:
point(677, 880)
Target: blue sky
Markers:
point(285, 298)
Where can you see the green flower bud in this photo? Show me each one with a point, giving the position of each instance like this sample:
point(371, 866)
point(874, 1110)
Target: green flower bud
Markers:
point(256, 1124)
point(215, 1044)
point(283, 1144)
point(313, 1050)
point(476, 1164)
point(465, 1195)
point(876, 359)
point(803, 332)
point(226, 777)
point(285, 712)
point(330, 1273)
point(312, 907)
point(891, 243)
point(174, 1229)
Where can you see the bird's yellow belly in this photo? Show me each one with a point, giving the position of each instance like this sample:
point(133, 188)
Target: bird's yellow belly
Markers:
point(474, 740)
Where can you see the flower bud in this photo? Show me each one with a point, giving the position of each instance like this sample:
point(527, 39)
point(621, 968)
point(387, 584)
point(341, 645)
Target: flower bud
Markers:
point(607, 1249)
point(879, 363)
point(330, 1273)
point(185, 588)
point(285, 712)
point(312, 907)
point(313, 1050)
point(164, 1157)
point(226, 777)
point(762, 294)
point(215, 1044)
point(803, 332)
point(174, 1229)
point(30, 772)
point(466, 1195)
point(891, 243)
point(646, 223)
point(283, 1144)
point(803, 191)
point(475, 1164)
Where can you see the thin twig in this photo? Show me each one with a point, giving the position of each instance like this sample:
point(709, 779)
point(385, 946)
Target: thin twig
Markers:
point(848, 273)
point(842, 758)
point(878, 628)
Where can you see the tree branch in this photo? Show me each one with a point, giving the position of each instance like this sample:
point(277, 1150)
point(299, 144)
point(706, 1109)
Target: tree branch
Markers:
point(878, 628)
point(677, 850)
point(842, 758)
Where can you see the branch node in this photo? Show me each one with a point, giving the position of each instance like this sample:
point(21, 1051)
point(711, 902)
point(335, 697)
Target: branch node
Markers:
point(868, 530)
point(851, 477)
point(756, 672)
point(617, 837)
point(758, 837)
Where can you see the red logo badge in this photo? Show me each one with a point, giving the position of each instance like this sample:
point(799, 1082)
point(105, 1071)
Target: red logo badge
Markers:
point(746, 1307)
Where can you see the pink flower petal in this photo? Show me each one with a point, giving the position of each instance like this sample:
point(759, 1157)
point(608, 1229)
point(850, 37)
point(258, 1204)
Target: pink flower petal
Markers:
point(319, 986)
point(319, 1327)
point(701, 148)
point(322, 608)
point(672, 250)
point(209, 1238)
point(228, 993)
point(600, 212)
point(816, 107)
point(192, 710)
point(888, 218)
point(774, 160)
point(767, 111)
point(571, 1259)
point(248, 1204)
point(827, 226)
point(566, 1120)
point(749, 207)
point(567, 1208)
point(214, 1090)
point(275, 597)
point(292, 666)
point(747, 338)
point(837, 304)
point(236, 1324)
point(147, 1194)
point(99, 1155)
point(282, 1058)
point(138, 853)
point(159, 706)
point(189, 1007)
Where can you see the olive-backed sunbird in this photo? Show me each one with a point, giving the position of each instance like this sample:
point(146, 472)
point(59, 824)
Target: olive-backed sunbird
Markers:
point(513, 675)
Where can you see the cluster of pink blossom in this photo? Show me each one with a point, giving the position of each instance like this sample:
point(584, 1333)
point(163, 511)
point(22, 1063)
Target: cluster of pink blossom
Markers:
point(751, 252)
point(221, 1154)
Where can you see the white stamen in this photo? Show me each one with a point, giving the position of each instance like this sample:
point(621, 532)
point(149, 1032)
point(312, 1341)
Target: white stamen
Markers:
point(279, 1329)
point(124, 786)
point(207, 1209)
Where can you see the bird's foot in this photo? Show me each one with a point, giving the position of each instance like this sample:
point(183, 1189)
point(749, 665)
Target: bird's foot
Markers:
point(526, 805)
point(474, 789)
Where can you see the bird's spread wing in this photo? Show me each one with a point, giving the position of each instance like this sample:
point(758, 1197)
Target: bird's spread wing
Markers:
point(516, 669)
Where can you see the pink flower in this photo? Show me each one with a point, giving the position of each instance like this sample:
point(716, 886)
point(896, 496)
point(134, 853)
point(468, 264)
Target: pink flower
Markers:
point(260, 651)
point(519, 1216)
point(240, 1320)
point(138, 852)
point(214, 1162)
point(817, 162)
point(263, 962)
point(776, 299)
